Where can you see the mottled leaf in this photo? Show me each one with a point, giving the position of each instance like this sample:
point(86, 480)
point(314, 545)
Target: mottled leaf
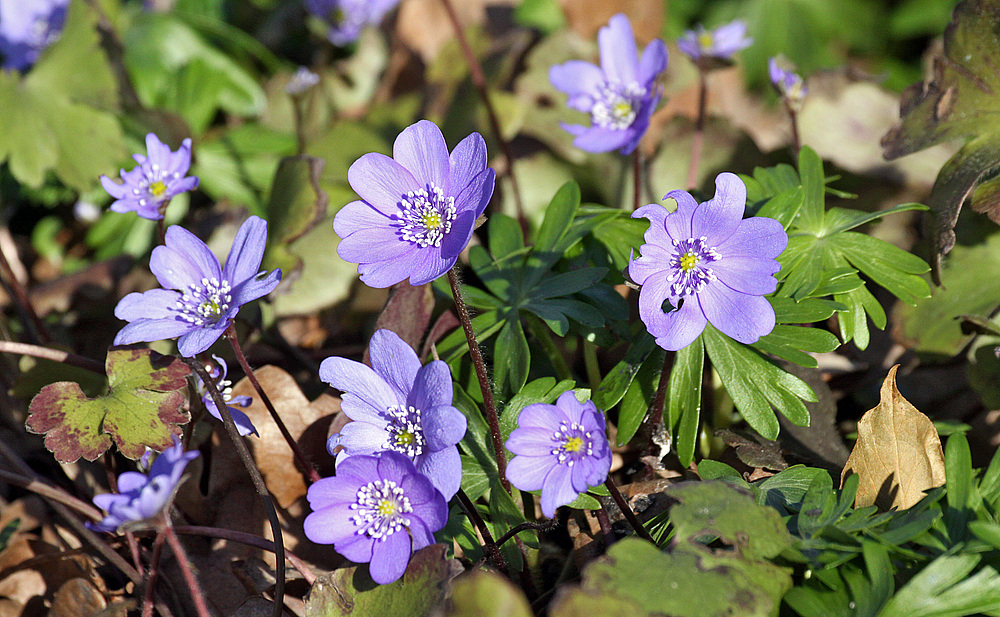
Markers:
point(898, 453)
point(142, 408)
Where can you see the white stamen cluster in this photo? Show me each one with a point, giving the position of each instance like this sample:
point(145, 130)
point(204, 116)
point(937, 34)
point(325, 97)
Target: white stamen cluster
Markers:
point(204, 304)
point(573, 442)
point(616, 105)
point(380, 509)
point(406, 434)
point(690, 273)
point(425, 216)
point(147, 188)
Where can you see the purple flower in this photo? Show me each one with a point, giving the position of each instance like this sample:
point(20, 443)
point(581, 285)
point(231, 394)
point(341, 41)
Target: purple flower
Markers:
point(620, 95)
point(417, 209)
point(140, 496)
point(790, 86)
point(27, 27)
point(348, 17)
point(400, 406)
point(218, 374)
point(709, 264)
point(158, 178)
point(561, 449)
point(377, 509)
point(199, 297)
point(719, 45)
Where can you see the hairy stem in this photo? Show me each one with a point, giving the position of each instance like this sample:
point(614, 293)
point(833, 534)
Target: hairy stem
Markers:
point(794, 117)
point(698, 138)
point(491, 547)
point(545, 525)
point(52, 493)
point(258, 482)
point(296, 450)
point(627, 511)
point(154, 572)
point(46, 353)
point(479, 81)
point(484, 381)
point(186, 569)
point(606, 531)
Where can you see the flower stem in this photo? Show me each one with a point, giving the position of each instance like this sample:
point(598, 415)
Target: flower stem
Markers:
point(491, 547)
point(794, 117)
point(186, 569)
point(544, 525)
point(154, 571)
point(484, 381)
point(56, 355)
point(627, 511)
point(133, 546)
point(258, 482)
point(296, 450)
point(698, 138)
point(605, 522)
point(479, 81)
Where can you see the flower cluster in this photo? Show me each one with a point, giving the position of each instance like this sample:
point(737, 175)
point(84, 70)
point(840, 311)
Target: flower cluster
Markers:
point(400, 406)
point(218, 374)
point(27, 27)
point(710, 265)
point(347, 18)
point(141, 496)
point(789, 85)
point(620, 95)
point(160, 176)
point(377, 510)
point(560, 449)
point(199, 297)
point(712, 48)
point(417, 210)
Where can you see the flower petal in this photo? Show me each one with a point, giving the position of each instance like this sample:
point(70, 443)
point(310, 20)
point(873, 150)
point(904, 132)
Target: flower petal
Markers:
point(355, 547)
point(152, 304)
point(461, 232)
point(390, 557)
point(384, 273)
point(149, 330)
point(674, 330)
point(678, 222)
point(527, 473)
point(359, 215)
point(421, 149)
point(381, 181)
point(475, 195)
point(718, 218)
point(557, 490)
point(655, 259)
point(578, 79)
point(431, 385)
point(201, 262)
point(247, 252)
point(597, 139)
point(361, 438)
point(396, 363)
point(652, 62)
point(200, 339)
point(467, 160)
point(530, 441)
point(739, 316)
point(329, 524)
point(255, 288)
point(444, 469)
point(757, 236)
point(619, 55)
point(539, 415)
point(749, 275)
point(429, 265)
point(394, 466)
point(350, 376)
point(443, 426)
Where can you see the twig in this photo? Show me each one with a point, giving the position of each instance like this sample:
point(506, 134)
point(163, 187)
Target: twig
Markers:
point(186, 569)
point(258, 482)
point(627, 511)
point(484, 380)
point(491, 547)
point(53, 493)
point(479, 81)
point(47, 353)
point(296, 450)
point(698, 138)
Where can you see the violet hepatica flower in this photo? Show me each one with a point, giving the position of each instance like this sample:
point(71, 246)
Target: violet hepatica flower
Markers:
point(710, 265)
point(218, 374)
point(347, 18)
point(417, 210)
point(711, 48)
point(377, 509)
point(156, 180)
point(620, 95)
point(199, 297)
point(142, 496)
point(27, 27)
point(560, 449)
point(400, 406)
point(790, 86)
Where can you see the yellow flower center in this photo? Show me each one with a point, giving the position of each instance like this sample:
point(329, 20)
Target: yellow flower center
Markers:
point(622, 109)
point(573, 444)
point(404, 438)
point(705, 40)
point(688, 261)
point(431, 219)
point(386, 508)
point(157, 189)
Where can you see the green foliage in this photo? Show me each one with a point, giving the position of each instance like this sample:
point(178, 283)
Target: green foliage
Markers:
point(142, 408)
point(296, 205)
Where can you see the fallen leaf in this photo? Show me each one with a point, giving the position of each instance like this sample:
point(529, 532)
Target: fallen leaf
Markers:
point(143, 408)
point(898, 453)
point(407, 312)
point(586, 17)
point(77, 597)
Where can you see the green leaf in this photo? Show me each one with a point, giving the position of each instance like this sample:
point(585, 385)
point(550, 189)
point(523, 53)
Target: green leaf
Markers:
point(889, 266)
point(789, 342)
point(783, 207)
point(558, 216)
point(143, 408)
point(296, 205)
point(619, 378)
point(840, 219)
point(418, 593)
point(947, 588)
point(482, 593)
point(811, 214)
point(684, 407)
point(505, 236)
point(809, 310)
point(512, 358)
point(637, 398)
point(755, 384)
point(544, 15)
point(958, 480)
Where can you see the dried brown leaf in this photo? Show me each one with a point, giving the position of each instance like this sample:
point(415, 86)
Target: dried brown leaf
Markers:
point(77, 597)
point(898, 453)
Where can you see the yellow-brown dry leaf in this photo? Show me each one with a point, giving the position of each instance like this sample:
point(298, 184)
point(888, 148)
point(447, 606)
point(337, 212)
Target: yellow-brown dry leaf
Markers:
point(898, 454)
